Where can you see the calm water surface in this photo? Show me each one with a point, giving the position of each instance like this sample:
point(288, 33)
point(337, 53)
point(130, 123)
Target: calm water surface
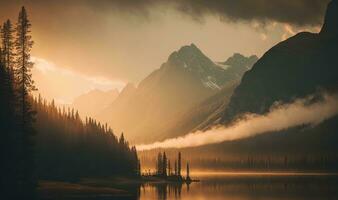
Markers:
point(247, 186)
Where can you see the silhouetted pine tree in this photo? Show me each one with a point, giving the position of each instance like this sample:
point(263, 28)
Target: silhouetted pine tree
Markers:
point(7, 45)
point(25, 84)
point(179, 164)
point(164, 165)
point(176, 172)
point(159, 163)
point(169, 168)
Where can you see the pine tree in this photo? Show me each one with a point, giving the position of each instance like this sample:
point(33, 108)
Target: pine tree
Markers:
point(159, 163)
point(169, 168)
point(179, 164)
point(25, 85)
point(176, 173)
point(7, 45)
point(122, 140)
point(188, 170)
point(188, 179)
point(164, 164)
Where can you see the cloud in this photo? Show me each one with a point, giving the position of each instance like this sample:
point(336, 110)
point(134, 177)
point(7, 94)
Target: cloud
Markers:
point(280, 117)
point(289, 29)
point(263, 36)
point(298, 12)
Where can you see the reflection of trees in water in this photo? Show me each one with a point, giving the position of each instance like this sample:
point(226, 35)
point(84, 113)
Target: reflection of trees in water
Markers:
point(161, 191)
point(166, 190)
point(138, 191)
point(133, 190)
point(247, 187)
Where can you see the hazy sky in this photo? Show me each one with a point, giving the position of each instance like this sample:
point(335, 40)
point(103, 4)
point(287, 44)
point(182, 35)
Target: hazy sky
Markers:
point(86, 44)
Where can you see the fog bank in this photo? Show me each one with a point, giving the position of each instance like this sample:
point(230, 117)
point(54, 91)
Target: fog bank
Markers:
point(280, 117)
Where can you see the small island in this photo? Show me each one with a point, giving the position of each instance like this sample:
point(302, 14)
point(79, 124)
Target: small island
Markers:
point(165, 173)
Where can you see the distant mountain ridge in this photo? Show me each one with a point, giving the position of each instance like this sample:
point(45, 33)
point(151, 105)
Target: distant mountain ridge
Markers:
point(186, 79)
point(94, 101)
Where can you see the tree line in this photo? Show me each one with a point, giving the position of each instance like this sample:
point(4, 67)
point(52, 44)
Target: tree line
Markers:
point(68, 148)
point(273, 162)
point(246, 161)
point(38, 139)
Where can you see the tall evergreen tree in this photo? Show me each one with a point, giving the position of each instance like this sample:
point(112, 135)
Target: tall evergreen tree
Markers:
point(176, 173)
point(8, 45)
point(164, 164)
point(169, 168)
point(159, 163)
point(179, 164)
point(122, 140)
point(25, 84)
point(188, 170)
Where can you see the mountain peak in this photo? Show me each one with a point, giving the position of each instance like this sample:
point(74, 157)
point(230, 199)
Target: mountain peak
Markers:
point(190, 49)
point(190, 57)
point(240, 60)
point(330, 26)
point(235, 56)
point(186, 53)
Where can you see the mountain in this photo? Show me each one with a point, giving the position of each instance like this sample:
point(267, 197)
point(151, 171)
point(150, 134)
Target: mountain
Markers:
point(210, 109)
point(194, 119)
point(293, 68)
point(238, 64)
point(186, 79)
point(97, 99)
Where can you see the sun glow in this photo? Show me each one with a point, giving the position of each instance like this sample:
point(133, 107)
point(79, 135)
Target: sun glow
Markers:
point(63, 84)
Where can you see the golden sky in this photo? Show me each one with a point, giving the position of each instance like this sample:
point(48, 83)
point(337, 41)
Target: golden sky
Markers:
point(81, 45)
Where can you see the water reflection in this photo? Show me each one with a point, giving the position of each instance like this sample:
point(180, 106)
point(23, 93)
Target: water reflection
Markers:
point(162, 191)
point(211, 187)
point(246, 188)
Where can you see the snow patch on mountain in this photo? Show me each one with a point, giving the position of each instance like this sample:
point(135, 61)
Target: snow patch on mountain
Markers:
point(223, 66)
point(209, 82)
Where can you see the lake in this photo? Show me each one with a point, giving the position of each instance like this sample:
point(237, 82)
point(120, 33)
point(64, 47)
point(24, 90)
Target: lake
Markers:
point(212, 186)
point(247, 186)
